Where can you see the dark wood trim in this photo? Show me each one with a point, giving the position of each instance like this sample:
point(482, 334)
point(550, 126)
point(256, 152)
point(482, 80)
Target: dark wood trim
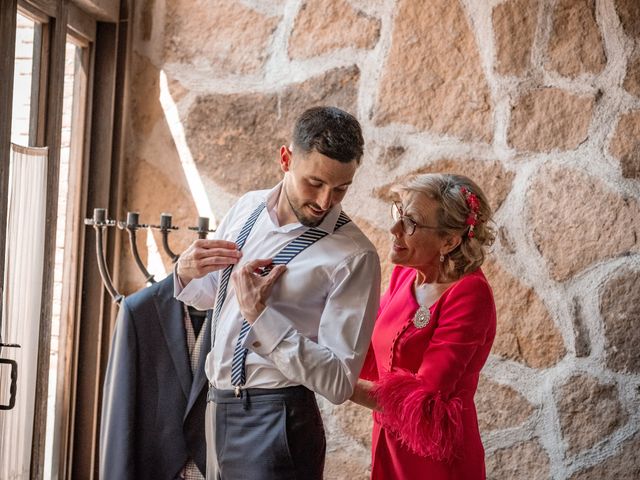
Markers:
point(41, 8)
point(8, 11)
point(81, 24)
point(67, 391)
point(94, 303)
point(36, 120)
point(117, 187)
point(41, 106)
point(53, 130)
point(103, 10)
point(74, 240)
point(117, 193)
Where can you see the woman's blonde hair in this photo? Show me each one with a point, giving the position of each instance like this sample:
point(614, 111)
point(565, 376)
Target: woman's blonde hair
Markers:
point(454, 209)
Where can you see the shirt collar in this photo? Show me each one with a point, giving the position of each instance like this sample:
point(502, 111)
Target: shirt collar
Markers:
point(327, 225)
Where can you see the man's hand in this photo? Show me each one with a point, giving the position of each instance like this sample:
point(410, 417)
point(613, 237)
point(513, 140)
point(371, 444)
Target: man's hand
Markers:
point(205, 256)
point(252, 289)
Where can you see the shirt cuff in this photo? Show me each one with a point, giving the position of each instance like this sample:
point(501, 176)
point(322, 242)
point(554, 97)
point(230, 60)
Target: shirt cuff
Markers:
point(177, 283)
point(267, 332)
point(190, 294)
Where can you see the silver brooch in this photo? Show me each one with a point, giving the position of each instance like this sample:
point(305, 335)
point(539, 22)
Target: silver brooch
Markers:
point(422, 317)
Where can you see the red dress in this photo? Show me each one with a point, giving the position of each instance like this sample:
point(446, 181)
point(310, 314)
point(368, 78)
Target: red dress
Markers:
point(425, 380)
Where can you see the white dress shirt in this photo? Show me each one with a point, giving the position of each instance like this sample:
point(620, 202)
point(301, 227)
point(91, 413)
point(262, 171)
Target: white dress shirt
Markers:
point(319, 318)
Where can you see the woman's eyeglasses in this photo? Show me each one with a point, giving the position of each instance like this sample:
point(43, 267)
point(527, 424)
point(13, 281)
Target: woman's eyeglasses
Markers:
point(408, 224)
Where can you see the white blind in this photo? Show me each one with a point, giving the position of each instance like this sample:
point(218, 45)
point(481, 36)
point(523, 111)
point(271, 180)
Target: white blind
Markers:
point(24, 260)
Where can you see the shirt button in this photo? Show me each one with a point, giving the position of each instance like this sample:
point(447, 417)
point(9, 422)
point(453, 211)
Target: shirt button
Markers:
point(256, 344)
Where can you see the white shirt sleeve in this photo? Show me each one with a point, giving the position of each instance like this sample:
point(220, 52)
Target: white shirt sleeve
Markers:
point(330, 366)
point(199, 292)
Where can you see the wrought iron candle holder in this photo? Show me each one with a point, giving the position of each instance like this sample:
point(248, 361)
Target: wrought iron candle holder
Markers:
point(131, 226)
point(165, 228)
point(202, 228)
point(100, 223)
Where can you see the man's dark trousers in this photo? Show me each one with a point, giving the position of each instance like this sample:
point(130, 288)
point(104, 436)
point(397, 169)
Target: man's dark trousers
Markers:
point(264, 434)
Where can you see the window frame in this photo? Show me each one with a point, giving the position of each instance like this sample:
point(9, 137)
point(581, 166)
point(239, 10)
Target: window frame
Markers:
point(72, 240)
point(105, 26)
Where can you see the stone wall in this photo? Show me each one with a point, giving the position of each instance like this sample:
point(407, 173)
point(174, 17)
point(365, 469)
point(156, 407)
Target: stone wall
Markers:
point(538, 100)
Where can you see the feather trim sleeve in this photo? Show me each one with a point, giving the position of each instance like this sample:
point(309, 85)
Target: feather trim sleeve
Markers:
point(426, 423)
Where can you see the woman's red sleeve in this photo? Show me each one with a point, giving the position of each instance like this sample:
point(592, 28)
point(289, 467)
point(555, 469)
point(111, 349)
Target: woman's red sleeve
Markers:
point(370, 369)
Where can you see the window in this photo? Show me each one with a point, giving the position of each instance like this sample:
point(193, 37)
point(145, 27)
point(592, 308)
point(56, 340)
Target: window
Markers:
point(24, 254)
point(67, 231)
point(26, 80)
point(55, 117)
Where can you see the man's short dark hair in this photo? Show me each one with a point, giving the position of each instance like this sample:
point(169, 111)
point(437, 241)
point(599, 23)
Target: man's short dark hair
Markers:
point(331, 132)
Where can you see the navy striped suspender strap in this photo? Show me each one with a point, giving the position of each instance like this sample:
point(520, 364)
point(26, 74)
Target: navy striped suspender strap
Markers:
point(226, 273)
point(288, 253)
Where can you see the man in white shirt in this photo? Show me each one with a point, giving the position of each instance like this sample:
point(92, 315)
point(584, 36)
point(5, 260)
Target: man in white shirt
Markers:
point(268, 357)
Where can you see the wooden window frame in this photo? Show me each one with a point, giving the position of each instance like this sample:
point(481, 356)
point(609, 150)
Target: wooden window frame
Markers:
point(105, 25)
point(73, 235)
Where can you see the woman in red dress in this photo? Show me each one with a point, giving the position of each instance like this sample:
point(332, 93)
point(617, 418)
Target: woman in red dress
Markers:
point(434, 331)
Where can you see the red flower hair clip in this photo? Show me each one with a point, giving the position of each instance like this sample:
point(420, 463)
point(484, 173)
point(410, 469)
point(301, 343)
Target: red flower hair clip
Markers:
point(474, 207)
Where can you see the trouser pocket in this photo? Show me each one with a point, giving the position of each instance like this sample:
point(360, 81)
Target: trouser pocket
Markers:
point(305, 438)
point(252, 442)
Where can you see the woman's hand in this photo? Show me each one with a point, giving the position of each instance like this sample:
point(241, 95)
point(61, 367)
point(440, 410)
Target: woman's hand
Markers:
point(362, 395)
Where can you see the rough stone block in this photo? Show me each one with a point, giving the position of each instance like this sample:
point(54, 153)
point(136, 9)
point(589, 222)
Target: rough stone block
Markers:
point(356, 422)
point(433, 78)
point(625, 145)
point(342, 464)
point(324, 26)
point(522, 461)
point(575, 46)
point(549, 118)
point(235, 139)
point(629, 13)
point(632, 80)
point(500, 406)
point(576, 220)
point(583, 401)
point(525, 331)
point(620, 309)
point(514, 25)
point(381, 238)
point(224, 36)
point(623, 465)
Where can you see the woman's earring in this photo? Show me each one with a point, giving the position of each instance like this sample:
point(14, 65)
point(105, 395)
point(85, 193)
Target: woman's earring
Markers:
point(441, 258)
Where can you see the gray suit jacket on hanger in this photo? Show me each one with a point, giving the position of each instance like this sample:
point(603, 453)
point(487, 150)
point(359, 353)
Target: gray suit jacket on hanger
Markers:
point(152, 409)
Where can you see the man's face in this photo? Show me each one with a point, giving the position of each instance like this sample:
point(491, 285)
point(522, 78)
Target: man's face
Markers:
point(314, 183)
